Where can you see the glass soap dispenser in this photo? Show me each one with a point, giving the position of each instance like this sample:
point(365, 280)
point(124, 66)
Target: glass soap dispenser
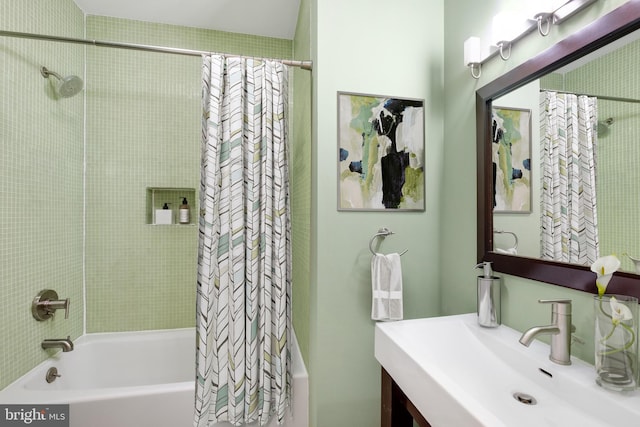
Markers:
point(488, 304)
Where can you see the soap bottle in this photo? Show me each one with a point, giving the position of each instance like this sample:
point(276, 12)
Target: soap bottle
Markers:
point(164, 216)
point(184, 211)
point(488, 304)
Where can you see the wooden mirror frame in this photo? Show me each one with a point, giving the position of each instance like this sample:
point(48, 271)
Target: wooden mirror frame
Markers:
point(606, 29)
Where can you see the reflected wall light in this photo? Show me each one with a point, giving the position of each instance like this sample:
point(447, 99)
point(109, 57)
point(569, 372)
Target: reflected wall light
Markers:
point(508, 28)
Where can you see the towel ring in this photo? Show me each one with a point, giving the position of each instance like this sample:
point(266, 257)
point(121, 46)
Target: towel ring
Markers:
point(515, 237)
point(383, 232)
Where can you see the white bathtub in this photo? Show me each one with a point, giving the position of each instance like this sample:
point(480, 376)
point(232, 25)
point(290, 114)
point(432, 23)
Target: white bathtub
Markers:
point(134, 379)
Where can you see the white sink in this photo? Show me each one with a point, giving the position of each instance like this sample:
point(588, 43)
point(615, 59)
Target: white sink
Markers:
point(460, 374)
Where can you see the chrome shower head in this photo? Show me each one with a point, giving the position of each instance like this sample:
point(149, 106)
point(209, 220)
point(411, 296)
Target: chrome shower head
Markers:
point(67, 86)
point(604, 126)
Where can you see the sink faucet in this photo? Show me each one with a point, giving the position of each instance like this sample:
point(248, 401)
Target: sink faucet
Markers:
point(64, 343)
point(560, 330)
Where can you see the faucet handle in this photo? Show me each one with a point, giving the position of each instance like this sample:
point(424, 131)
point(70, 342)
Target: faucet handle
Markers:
point(46, 303)
point(65, 304)
point(560, 306)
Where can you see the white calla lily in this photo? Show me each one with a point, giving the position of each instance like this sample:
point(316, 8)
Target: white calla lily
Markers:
point(604, 267)
point(619, 312)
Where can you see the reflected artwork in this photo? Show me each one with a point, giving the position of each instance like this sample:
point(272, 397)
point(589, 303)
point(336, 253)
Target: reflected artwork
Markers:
point(511, 137)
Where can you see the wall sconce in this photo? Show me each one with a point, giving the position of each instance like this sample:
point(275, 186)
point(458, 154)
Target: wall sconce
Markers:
point(542, 19)
point(508, 28)
point(472, 56)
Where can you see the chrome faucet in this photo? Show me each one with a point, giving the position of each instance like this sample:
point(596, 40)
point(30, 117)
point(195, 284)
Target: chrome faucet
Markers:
point(560, 330)
point(64, 343)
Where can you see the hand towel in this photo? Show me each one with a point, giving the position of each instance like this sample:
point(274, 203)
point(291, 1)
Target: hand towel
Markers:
point(386, 284)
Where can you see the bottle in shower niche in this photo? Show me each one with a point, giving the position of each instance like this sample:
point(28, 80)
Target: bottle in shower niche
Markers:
point(184, 212)
point(164, 216)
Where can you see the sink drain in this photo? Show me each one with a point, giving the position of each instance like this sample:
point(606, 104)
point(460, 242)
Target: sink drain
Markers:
point(524, 398)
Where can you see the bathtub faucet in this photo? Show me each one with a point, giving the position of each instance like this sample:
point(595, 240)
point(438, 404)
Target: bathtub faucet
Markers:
point(64, 343)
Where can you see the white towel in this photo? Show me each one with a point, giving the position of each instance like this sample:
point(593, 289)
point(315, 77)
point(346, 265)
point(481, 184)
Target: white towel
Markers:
point(386, 284)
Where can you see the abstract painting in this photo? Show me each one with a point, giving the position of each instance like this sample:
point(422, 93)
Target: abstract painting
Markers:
point(511, 136)
point(380, 153)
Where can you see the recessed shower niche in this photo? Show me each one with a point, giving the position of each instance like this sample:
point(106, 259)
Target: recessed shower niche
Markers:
point(165, 206)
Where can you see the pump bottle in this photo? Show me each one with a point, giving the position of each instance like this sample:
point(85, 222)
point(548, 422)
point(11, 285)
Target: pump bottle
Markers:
point(184, 212)
point(488, 305)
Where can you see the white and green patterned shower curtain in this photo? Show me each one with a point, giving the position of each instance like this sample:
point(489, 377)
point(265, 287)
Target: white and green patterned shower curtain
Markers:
point(568, 136)
point(244, 256)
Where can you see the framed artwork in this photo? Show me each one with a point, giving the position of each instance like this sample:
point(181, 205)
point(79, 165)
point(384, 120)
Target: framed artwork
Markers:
point(380, 153)
point(511, 136)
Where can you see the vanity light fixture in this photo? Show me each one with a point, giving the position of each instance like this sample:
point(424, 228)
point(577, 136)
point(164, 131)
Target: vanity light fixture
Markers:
point(472, 56)
point(544, 16)
point(543, 19)
point(508, 28)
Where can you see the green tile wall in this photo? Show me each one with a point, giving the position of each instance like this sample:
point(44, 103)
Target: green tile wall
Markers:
point(41, 167)
point(301, 183)
point(143, 130)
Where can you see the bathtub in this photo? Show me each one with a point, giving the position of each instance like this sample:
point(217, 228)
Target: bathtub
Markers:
point(134, 379)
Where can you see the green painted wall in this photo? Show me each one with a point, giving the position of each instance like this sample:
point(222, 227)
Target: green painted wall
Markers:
point(465, 18)
point(40, 181)
point(373, 47)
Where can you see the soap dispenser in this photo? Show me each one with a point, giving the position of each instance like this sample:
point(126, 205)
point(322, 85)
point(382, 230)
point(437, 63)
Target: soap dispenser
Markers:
point(164, 216)
point(184, 212)
point(488, 305)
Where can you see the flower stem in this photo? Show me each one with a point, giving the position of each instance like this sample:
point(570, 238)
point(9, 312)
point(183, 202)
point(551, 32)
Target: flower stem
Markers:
point(615, 325)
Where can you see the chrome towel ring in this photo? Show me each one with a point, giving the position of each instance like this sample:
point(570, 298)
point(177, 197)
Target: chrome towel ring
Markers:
point(515, 237)
point(383, 232)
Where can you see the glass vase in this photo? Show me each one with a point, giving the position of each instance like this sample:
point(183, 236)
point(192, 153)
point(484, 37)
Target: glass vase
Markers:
point(616, 341)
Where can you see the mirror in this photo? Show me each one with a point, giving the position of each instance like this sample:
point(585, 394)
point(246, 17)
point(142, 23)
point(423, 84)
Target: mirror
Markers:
point(516, 94)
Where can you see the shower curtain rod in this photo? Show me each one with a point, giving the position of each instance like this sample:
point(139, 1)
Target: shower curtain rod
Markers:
point(305, 65)
point(606, 98)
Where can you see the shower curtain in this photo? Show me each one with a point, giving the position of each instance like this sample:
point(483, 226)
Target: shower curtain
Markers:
point(568, 134)
point(244, 253)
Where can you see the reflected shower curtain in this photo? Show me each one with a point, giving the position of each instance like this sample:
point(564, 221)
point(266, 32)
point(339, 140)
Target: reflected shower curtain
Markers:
point(244, 255)
point(568, 135)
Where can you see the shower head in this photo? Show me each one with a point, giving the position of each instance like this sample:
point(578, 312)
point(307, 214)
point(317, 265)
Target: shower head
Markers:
point(67, 86)
point(604, 127)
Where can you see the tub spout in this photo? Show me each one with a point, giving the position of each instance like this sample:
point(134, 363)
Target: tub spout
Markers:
point(64, 343)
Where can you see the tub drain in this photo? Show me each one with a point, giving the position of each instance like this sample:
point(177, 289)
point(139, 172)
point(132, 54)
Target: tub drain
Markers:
point(524, 398)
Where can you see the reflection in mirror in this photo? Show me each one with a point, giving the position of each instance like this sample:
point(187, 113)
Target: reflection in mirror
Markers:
point(584, 183)
point(583, 95)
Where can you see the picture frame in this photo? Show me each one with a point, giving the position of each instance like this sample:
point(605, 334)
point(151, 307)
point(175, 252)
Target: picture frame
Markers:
point(511, 147)
point(381, 145)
